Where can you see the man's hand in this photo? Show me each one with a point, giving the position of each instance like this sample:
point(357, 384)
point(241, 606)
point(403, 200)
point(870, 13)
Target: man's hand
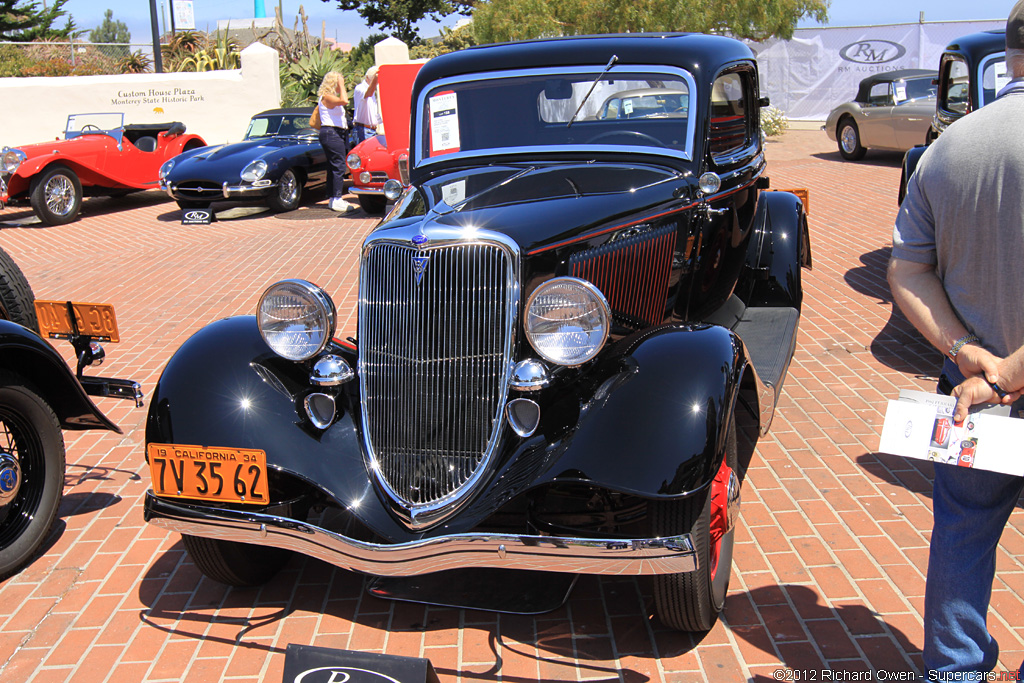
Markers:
point(973, 391)
point(974, 360)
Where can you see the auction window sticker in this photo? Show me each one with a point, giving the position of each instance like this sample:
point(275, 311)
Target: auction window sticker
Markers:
point(453, 193)
point(1002, 79)
point(444, 123)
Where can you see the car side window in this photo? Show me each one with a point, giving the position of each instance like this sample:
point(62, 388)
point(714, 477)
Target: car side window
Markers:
point(955, 82)
point(732, 112)
point(880, 95)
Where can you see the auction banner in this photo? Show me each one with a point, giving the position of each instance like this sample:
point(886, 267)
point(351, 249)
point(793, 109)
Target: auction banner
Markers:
point(819, 68)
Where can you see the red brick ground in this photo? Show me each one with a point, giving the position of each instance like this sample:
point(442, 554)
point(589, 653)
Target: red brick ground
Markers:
point(830, 556)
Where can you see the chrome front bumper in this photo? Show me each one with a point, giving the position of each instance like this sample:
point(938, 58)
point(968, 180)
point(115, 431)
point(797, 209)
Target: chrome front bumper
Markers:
point(226, 191)
point(672, 555)
point(366, 190)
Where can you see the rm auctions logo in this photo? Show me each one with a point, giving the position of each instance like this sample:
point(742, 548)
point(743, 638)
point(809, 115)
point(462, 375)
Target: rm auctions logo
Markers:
point(342, 674)
point(873, 51)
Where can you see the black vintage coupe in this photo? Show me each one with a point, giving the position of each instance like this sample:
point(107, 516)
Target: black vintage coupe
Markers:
point(277, 161)
point(571, 331)
point(972, 71)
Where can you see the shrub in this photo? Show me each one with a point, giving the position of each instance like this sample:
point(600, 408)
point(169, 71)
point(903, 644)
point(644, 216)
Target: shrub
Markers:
point(773, 121)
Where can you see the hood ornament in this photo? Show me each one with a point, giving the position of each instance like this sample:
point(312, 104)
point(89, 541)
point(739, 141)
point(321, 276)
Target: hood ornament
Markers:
point(421, 258)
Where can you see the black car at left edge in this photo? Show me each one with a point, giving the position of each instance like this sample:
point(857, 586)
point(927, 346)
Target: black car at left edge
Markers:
point(571, 330)
point(279, 158)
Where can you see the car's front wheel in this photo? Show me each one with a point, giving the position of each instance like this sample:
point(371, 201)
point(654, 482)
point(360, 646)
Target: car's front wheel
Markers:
point(288, 193)
point(848, 136)
point(31, 471)
point(56, 195)
point(691, 601)
point(372, 204)
point(233, 563)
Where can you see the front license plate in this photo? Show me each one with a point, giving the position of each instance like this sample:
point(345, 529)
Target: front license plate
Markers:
point(92, 320)
point(226, 475)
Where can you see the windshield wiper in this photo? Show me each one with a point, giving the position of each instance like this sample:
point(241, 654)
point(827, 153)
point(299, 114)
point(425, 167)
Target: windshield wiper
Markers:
point(593, 85)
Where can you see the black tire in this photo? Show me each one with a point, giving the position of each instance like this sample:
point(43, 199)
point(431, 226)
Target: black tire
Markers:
point(56, 195)
point(188, 204)
point(17, 302)
point(691, 601)
point(288, 193)
point(31, 470)
point(373, 204)
point(235, 564)
point(848, 139)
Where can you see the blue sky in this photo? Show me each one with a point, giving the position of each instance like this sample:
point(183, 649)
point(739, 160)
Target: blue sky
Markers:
point(348, 26)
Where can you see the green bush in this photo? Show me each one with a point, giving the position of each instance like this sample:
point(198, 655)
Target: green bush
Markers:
point(773, 121)
point(13, 61)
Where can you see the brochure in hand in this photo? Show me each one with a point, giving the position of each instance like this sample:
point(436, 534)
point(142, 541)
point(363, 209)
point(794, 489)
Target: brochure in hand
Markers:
point(920, 425)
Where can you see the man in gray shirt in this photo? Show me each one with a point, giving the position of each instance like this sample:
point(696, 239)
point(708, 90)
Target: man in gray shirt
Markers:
point(956, 273)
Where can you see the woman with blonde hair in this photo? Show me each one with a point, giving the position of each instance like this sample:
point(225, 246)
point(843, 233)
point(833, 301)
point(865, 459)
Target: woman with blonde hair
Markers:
point(331, 100)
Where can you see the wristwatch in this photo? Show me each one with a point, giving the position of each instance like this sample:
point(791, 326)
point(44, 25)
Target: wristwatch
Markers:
point(959, 344)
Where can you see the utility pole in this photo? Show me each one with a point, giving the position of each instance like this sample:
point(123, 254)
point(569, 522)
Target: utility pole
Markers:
point(158, 65)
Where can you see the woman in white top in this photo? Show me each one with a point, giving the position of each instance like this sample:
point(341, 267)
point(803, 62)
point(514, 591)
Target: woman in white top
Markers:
point(332, 99)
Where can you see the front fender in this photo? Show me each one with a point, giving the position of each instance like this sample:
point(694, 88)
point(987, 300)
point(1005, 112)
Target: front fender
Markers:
point(775, 259)
point(657, 427)
point(25, 353)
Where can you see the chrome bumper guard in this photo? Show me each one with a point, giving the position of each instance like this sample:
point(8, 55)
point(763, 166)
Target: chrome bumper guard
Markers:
point(230, 191)
point(366, 190)
point(671, 555)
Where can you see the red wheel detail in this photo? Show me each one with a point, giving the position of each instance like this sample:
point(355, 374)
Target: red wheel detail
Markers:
point(719, 513)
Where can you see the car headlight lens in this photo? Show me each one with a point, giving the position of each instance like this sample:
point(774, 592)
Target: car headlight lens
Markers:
point(296, 319)
point(166, 169)
point(11, 160)
point(354, 162)
point(567, 321)
point(254, 171)
point(393, 189)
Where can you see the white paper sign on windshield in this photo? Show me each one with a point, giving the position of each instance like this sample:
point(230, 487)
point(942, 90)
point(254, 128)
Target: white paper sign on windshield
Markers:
point(444, 123)
point(1002, 79)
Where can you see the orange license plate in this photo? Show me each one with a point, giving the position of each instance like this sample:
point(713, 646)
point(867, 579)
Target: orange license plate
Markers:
point(225, 475)
point(93, 320)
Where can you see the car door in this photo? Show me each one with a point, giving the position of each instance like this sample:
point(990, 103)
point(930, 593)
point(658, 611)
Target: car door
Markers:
point(876, 129)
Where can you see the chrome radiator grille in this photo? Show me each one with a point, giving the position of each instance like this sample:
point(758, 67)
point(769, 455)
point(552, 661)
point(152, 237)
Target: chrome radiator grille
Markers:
point(434, 353)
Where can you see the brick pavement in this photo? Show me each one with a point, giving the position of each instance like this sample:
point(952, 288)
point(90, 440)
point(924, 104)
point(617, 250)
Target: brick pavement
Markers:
point(830, 554)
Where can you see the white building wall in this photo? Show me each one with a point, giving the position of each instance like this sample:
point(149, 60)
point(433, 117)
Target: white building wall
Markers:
point(214, 104)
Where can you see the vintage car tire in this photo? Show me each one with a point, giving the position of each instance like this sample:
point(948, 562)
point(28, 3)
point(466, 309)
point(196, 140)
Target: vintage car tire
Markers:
point(56, 195)
point(32, 437)
point(16, 294)
point(189, 204)
point(848, 140)
point(288, 193)
point(373, 204)
point(691, 601)
point(233, 563)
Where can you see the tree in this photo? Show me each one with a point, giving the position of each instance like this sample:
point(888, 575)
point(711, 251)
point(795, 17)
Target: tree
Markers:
point(507, 20)
point(399, 17)
point(110, 31)
point(23, 22)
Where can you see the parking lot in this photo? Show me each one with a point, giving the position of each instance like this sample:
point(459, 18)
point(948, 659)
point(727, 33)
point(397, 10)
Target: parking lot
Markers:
point(830, 555)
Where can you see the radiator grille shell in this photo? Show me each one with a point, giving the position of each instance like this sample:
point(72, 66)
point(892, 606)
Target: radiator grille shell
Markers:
point(436, 328)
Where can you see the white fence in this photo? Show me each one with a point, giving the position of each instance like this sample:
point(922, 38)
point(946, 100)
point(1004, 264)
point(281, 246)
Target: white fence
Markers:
point(214, 104)
point(806, 77)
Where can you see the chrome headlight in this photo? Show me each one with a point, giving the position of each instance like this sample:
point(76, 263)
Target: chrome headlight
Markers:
point(296, 319)
point(393, 189)
point(166, 169)
point(254, 171)
point(567, 320)
point(354, 162)
point(11, 159)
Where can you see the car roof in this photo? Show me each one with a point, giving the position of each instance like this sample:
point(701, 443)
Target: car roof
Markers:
point(974, 46)
point(700, 54)
point(287, 111)
point(864, 89)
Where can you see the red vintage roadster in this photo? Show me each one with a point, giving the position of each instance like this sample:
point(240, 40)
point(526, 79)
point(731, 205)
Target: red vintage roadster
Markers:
point(99, 156)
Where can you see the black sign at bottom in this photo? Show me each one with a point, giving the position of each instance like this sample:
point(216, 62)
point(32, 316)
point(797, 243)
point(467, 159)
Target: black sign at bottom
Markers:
point(311, 664)
point(197, 217)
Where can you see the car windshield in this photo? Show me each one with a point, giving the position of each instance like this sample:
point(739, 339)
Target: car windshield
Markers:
point(917, 88)
point(279, 124)
point(993, 76)
point(83, 124)
point(552, 111)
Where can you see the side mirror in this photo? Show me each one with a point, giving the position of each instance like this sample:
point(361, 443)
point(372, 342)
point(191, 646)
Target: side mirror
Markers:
point(763, 102)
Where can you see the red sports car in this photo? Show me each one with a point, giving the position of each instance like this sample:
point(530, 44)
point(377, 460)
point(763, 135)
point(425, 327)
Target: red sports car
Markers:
point(98, 156)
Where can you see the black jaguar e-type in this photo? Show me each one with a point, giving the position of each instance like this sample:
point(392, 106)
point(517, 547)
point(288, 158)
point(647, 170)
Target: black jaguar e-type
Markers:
point(279, 158)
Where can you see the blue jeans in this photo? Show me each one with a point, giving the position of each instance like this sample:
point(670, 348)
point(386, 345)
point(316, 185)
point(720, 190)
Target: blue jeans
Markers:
point(335, 145)
point(970, 509)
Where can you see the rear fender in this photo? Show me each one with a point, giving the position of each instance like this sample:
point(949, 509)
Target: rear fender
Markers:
point(26, 354)
point(910, 161)
point(774, 260)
